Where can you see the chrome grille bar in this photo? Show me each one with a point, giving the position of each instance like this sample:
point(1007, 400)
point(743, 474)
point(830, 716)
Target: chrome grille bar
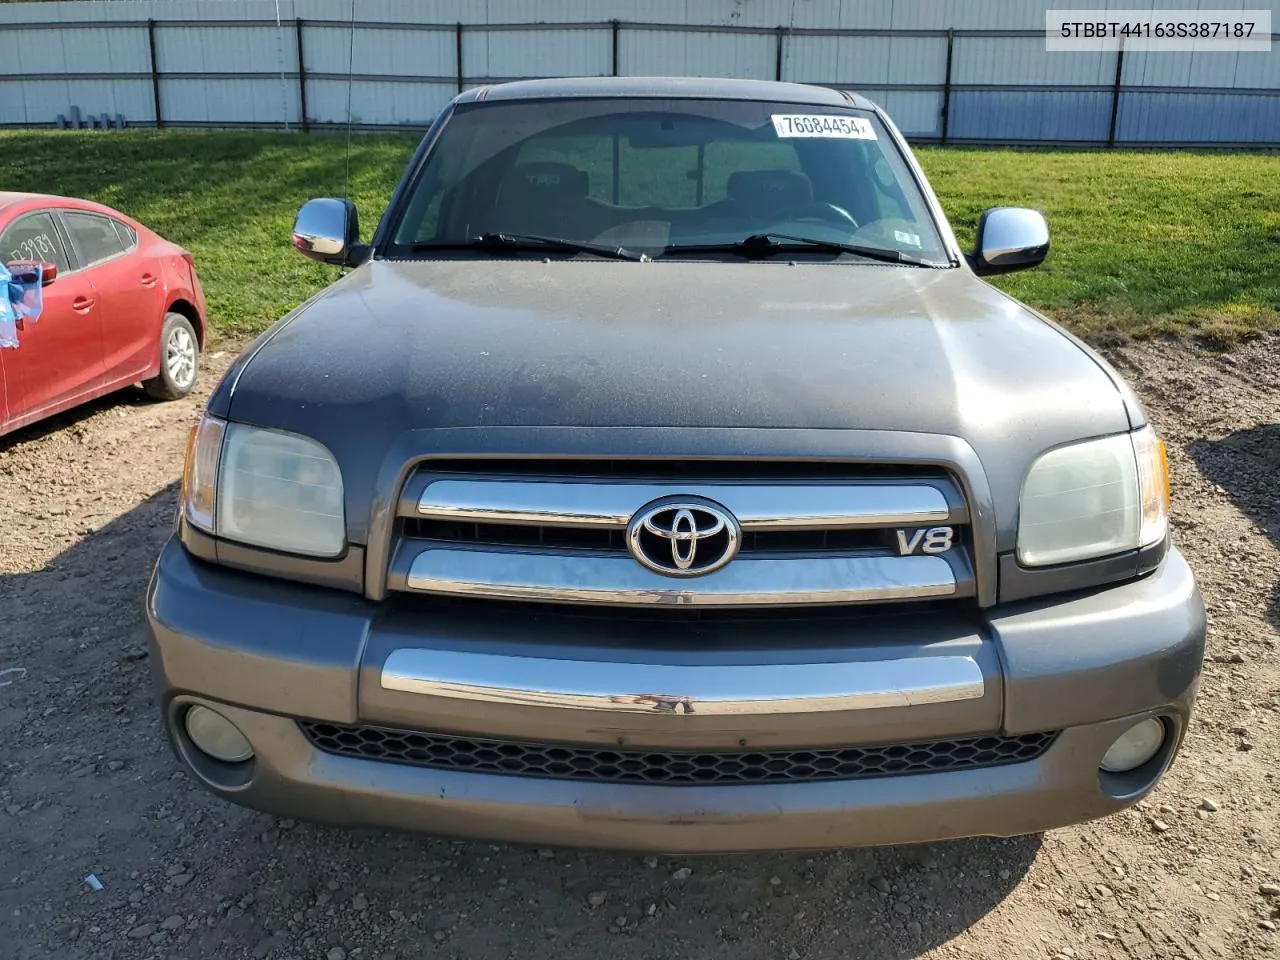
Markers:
point(722, 690)
point(603, 504)
point(590, 577)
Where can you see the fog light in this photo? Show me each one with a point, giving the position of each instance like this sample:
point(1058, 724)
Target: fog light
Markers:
point(1134, 747)
point(217, 736)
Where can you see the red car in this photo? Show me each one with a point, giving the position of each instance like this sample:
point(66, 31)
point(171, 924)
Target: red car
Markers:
point(122, 305)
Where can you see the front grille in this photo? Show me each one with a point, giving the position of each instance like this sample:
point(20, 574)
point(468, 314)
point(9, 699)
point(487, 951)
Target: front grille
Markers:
point(812, 533)
point(603, 764)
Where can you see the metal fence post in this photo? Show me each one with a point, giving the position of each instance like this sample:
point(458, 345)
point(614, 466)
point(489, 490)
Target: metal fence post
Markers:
point(616, 27)
point(457, 48)
point(1115, 96)
point(302, 80)
point(946, 86)
point(155, 72)
point(777, 53)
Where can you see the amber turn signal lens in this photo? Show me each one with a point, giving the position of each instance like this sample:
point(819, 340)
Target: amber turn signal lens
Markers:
point(200, 472)
point(1153, 486)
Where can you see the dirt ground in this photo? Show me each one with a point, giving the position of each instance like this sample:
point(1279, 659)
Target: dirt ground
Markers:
point(88, 786)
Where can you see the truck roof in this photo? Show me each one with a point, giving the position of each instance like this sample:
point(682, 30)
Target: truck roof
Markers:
point(693, 88)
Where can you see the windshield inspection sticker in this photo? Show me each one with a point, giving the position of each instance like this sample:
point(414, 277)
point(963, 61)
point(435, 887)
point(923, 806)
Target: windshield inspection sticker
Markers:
point(811, 125)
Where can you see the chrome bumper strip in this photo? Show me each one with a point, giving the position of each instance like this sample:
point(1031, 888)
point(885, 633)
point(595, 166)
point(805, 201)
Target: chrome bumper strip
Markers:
point(617, 579)
point(664, 688)
point(600, 503)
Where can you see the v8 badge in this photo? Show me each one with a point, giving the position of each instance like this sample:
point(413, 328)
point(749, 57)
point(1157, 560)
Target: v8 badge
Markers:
point(925, 540)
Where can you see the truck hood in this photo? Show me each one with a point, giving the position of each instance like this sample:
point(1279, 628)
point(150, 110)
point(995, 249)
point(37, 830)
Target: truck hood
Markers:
point(430, 345)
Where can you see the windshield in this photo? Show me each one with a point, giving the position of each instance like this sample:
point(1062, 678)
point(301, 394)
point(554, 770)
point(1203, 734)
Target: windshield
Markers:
point(661, 176)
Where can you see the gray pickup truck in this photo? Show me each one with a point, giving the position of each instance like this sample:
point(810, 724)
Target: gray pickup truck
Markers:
point(662, 475)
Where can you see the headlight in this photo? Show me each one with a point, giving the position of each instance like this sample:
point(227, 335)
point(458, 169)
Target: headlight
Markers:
point(1094, 498)
point(262, 487)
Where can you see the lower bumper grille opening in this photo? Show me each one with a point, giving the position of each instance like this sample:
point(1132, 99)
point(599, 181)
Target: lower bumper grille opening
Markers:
point(603, 764)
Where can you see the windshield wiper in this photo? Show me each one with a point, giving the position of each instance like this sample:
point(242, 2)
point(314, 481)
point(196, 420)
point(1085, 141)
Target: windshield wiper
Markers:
point(768, 244)
point(524, 241)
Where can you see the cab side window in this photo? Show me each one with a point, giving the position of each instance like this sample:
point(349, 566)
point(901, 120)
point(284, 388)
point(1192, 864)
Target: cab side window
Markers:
point(34, 237)
point(93, 236)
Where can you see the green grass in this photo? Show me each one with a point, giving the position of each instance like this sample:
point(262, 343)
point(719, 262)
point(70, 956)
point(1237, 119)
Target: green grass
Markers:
point(229, 198)
point(1143, 242)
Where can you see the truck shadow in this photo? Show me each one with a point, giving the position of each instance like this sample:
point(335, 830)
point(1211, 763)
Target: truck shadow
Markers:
point(889, 903)
point(1246, 464)
point(77, 627)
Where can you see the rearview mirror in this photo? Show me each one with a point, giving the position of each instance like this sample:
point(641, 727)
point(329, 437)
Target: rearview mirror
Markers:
point(24, 271)
point(1009, 239)
point(328, 230)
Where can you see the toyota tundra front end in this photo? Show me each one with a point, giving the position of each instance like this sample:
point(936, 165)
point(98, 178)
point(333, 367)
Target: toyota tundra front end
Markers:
point(663, 476)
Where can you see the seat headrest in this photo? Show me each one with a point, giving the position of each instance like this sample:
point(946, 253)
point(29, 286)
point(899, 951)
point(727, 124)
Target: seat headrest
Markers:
point(547, 177)
point(771, 188)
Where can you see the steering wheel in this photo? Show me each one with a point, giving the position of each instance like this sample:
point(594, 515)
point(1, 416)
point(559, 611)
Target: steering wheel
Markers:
point(817, 211)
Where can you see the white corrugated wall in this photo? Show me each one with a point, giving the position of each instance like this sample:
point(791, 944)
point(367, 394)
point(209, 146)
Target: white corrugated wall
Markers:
point(228, 62)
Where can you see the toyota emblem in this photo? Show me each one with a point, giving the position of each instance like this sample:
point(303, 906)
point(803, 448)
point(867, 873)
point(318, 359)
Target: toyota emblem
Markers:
point(683, 537)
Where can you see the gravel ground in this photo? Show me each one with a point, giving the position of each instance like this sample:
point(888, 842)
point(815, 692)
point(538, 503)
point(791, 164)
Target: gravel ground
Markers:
point(88, 786)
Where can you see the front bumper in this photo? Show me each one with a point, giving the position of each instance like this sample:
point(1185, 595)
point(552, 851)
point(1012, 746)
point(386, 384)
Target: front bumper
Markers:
point(265, 653)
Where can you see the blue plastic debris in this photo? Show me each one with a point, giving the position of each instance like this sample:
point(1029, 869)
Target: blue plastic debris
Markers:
point(21, 300)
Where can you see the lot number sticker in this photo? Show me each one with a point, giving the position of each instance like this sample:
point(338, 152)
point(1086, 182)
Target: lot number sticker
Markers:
point(813, 125)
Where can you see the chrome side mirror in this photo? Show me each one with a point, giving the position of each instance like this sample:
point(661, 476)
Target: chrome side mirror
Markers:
point(1009, 239)
point(328, 230)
